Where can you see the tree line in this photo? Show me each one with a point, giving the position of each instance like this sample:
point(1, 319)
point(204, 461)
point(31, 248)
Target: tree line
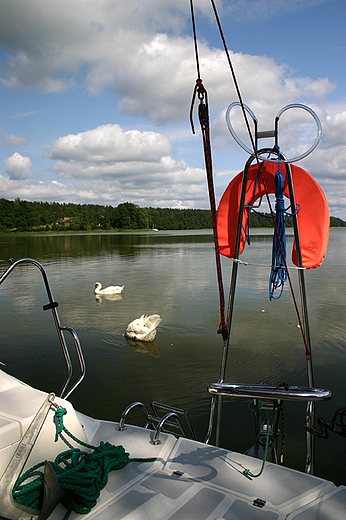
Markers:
point(24, 216)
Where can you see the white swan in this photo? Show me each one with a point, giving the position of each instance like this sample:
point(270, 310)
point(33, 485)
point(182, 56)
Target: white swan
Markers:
point(143, 328)
point(112, 289)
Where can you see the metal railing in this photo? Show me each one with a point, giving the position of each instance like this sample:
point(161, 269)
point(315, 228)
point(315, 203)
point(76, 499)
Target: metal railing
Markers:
point(216, 401)
point(158, 423)
point(291, 393)
point(52, 305)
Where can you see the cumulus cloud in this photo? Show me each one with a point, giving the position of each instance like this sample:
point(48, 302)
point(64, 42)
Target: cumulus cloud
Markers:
point(110, 143)
point(18, 167)
point(133, 163)
point(137, 51)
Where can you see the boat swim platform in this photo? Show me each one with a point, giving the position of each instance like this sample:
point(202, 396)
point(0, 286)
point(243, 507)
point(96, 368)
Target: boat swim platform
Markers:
point(188, 479)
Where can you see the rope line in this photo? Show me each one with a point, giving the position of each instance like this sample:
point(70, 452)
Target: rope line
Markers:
point(203, 115)
point(337, 425)
point(247, 472)
point(82, 475)
point(307, 350)
point(242, 262)
point(278, 274)
point(199, 86)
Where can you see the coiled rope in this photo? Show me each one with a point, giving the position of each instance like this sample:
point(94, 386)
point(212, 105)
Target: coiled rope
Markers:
point(278, 274)
point(81, 474)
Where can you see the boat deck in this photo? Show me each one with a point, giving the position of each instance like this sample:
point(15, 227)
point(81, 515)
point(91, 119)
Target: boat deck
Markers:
point(188, 480)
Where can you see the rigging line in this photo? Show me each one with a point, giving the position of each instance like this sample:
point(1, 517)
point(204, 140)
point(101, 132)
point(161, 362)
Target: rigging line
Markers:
point(235, 81)
point(204, 122)
point(307, 350)
point(195, 38)
point(203, 114)
point(242, 262)
point(302, 330)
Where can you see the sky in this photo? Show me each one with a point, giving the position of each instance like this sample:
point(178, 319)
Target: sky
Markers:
point(95, 96)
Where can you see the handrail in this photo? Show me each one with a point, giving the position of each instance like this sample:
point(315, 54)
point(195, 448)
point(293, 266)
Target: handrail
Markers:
point(80, 359)
point(155, 421)
point(292, 393)
point(52, 305)
point(161, 424)
point(136, 404)
point(156, 406)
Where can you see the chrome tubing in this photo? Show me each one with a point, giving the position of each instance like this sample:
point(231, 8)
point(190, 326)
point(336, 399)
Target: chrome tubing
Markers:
point(293, 393)
point(230, 307)
point(121, 427)
point(161, 424)
point(52, 305)
point(310, 439)
point(303, 298)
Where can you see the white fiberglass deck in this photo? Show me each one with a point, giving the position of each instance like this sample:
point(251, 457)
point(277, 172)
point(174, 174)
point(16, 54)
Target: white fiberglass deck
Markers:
point(188, 480)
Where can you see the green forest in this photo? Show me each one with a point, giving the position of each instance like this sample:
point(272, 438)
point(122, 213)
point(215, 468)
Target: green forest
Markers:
point(23, 216)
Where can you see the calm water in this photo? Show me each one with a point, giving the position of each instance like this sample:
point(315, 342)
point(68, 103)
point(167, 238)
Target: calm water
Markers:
point(173, 274)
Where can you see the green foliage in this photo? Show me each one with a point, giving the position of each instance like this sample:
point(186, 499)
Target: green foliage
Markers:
point(337, 222)
point(22, 216)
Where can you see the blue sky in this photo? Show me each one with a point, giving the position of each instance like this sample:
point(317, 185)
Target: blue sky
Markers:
point(95, 95)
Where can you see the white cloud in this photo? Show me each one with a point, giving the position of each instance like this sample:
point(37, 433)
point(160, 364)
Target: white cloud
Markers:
point(110, 143)
point(18, 167)
point(107, 192)
point(134, 164)
point(137, 51)
point(13, 140)
point(110, 165)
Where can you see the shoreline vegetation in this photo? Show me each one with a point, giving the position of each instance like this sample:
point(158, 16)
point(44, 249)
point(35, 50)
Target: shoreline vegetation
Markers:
point(21, 216)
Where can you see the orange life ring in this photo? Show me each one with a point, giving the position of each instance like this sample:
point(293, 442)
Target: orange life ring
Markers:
point(313, 216)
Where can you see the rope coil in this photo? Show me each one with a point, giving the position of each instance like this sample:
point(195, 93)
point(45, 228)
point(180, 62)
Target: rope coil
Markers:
point(278, 275)
point(81, 474)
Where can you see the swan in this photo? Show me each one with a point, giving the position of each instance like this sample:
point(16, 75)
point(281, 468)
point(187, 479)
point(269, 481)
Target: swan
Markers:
point(143, 328)
point(112, 289)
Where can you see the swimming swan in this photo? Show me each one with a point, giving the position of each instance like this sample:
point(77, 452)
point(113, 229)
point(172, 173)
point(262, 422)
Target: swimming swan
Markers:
point(143, 328)
point(112, 289)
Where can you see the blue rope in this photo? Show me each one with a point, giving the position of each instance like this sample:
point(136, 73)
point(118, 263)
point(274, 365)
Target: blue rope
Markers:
point(249, 207)
point(278, 274)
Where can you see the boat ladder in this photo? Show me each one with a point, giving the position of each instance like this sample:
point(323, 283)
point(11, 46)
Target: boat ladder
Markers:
point(171, 418)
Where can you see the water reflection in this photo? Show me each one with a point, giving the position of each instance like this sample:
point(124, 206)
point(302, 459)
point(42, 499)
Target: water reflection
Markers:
point(174, 275)
point(109, 297)
point(144, 347)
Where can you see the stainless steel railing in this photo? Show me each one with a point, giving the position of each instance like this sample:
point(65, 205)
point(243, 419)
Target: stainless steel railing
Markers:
point(158, 423)
point(52, 305)
point(291, 393)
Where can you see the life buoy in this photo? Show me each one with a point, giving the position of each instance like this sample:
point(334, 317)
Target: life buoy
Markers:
point(313, 216)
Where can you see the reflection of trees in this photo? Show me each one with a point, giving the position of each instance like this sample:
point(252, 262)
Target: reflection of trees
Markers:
point(97, 245)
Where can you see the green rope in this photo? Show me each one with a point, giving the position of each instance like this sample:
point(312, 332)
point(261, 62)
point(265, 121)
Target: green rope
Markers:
point(82, 475)
point(247, 472)
point(255, 408)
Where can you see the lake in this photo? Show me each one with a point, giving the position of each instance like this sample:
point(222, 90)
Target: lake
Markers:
point(173, 274)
